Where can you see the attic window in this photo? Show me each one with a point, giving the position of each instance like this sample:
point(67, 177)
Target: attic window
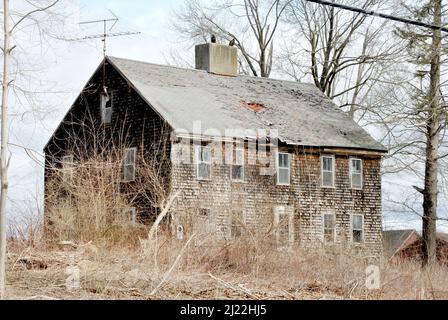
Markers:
point(254, 106)
point(106, 107)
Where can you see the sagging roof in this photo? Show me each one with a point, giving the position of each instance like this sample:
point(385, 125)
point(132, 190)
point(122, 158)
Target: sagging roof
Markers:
point(301, 113)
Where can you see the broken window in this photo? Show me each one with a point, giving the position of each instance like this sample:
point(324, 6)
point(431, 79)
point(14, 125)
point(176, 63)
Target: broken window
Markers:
point(67, 167)
point(328, 172)
point(358, 228)
point(236, 224)
point(131, 215)
point(356, 173)
point(203, 162)
point(106, 107)
point(329, 227)
point(238, 165)
point(283, 223)
point(284, 169)
point(129, 164)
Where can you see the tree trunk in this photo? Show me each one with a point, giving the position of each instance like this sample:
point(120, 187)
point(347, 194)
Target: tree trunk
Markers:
point(4, 146)
point(430, 193)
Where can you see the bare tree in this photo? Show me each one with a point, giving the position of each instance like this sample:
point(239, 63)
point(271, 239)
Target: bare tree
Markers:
point(346, 55)
point(18, 20)
point(252, 24)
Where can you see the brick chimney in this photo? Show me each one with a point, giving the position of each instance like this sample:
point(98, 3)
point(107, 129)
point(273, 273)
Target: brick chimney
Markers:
point(217, 58)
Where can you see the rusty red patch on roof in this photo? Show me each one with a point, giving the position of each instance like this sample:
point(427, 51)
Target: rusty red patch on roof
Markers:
point(254, 106)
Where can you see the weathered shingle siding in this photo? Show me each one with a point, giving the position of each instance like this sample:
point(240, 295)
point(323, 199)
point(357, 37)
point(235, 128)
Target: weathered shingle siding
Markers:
point(258, 195)
point(134, 124)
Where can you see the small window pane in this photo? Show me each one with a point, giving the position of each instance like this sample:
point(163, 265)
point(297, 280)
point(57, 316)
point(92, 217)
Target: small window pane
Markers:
point(329, 228)
point(328, 179)
point(283, 160)
point(237, 223)
point(327, 164)
point(356, 181)
point(283, 176)
point(357, 226)
point(237, 173)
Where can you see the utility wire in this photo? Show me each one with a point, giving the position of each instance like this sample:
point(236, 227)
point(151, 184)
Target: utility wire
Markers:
point(380, 15)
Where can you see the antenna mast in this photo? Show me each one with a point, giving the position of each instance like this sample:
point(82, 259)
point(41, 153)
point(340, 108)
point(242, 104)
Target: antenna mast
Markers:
point(106, 31)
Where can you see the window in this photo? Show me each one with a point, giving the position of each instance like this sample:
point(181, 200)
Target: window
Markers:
point(236, 224)
point(329, 229)
point(328, 164)
point(131, 215)
point(356, 173)
point(238, 165)
point(283, 223)
point(358, 228)
point(129, 164)
point(204, 221)
point(67, 167)
point(106, 107)
point(203, 162)
point(284, 169)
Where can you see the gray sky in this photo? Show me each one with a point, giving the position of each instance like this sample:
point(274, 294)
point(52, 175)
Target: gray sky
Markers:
point(66, 68)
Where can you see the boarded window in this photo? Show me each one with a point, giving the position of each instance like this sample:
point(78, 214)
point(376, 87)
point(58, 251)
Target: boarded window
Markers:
point(129, 164)
point(283, 222)
point(284, 169)
point(203, 162)
point(106, 107)
point(328, 171)
point(329, 227)
point(236, 224)
point(358, 228)
point(356, 173)
point(238, 165)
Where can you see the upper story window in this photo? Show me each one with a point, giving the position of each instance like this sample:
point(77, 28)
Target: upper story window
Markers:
point(129, 158)
point(356, 180)
point(284, 169)
point(106, 107)
point(328, 171)
point(238, 165)
point(203, 162)
point(329, 227)
point(357, 228)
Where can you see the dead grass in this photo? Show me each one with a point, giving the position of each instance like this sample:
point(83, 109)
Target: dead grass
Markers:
point(229, 271)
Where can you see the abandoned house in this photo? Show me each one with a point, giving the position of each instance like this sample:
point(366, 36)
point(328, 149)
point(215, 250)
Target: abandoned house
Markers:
point(320, 184)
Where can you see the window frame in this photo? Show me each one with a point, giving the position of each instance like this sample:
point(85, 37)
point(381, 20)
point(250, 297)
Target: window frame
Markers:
point(283, 168)
point(352, 229)
point(134, 150)
point(67, 171)
point(237, 224)
point(198, 152)
point(361, 173)
point(235, 164)
point(103, 107)
point(332, 214)
point(133, 215)
point(289, 212)
point(333, 186)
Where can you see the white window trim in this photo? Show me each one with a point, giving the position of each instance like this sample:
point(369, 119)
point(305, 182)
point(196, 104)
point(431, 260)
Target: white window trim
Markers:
point(351, 174)
point(284, 210)
point(198, 149)
point(322, 171)
point(351, 228)
point(68, 170)
point(134, 150)
point(278, 168)
point(243, 165)
point(323, 227)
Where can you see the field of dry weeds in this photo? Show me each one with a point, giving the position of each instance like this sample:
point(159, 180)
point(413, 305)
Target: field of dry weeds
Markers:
point(181, 270)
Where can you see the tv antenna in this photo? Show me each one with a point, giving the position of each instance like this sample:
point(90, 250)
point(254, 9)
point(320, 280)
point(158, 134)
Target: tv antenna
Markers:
point(106, 31)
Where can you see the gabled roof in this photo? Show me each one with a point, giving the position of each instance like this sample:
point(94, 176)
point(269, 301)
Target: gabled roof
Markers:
point(301, 113)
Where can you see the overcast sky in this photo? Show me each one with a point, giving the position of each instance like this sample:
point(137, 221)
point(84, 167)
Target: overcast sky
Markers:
point(70, 64)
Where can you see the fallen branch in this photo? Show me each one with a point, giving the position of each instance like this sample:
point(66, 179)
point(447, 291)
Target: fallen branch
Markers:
point(168, 273)
point(239, 288)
